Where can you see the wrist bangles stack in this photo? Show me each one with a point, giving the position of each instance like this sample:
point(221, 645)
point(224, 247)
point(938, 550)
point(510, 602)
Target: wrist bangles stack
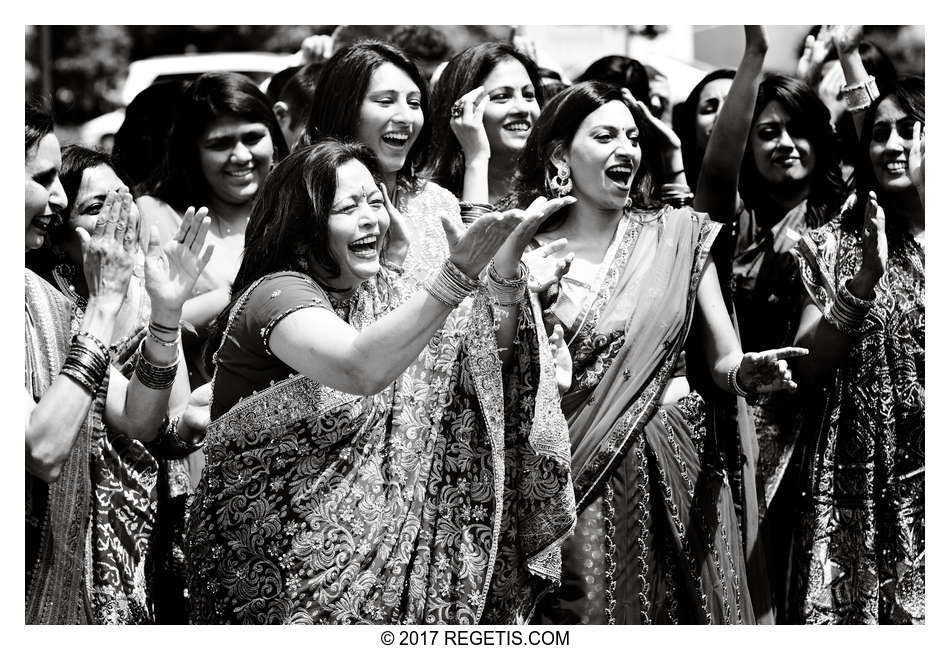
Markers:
point(847, 313)
point(87, 361)
point(449, 285)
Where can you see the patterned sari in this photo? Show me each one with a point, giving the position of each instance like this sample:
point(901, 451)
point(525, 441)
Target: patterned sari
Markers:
point(860, 554)
point(657, 538)
point(437, 500)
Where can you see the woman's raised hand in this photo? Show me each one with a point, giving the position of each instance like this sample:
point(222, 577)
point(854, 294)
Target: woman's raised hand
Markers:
point(665, 137)
point(397, 244)
point(544, 268)
point(755, 39)
point(873, 240)
point(767, 372)
point(470, 249)
point(509, 255)
point(847, 38)
point(814, 54)
point(563, 364)
point(466, 121)
point(109, 252)
point(172, 271)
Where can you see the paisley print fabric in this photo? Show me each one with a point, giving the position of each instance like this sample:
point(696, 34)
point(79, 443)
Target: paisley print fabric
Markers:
point(860, 551)
point(434, 501)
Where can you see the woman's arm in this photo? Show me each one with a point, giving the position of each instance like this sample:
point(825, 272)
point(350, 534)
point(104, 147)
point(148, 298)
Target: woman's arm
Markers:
point(201, 310)
point(318, 344)
point(718, 184)
point(469, 129)
point(847, 39)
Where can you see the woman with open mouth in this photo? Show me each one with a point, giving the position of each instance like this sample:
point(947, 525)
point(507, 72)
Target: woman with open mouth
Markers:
point(373, 93)
point(363, 463)
point(859, 547)
point(223, 142)
point(657, 537)
point(484, 105)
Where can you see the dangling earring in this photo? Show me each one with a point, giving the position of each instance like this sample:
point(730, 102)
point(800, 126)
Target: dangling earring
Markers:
point(560, 184)
point(628, 203)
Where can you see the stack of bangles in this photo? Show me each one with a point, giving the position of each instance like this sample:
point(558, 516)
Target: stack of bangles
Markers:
point(170, 445)
point(508, 292)
point(847, 313)
point(859, 97)
point(676, 194)
point(449, 285)
point(149, 374)
point(87, 361)
point(749, 396)
point(472, 211)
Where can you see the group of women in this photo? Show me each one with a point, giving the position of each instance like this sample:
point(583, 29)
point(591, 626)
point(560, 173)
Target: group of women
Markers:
point(475, 357)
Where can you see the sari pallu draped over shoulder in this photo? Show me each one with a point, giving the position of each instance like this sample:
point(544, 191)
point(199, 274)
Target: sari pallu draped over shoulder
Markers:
point(657, 538)
point(57, 514)
point(437, 500)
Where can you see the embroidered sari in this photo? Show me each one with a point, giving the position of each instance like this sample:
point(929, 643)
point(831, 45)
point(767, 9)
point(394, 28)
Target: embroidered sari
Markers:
point(657, 538)
point(859, 556)
point(438, 500)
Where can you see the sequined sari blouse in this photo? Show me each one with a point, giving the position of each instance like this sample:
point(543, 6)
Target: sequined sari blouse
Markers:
point(860, 555)
point(441, 499)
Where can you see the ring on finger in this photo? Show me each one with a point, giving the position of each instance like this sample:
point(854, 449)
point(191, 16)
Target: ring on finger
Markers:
point(456, 110)
point(120, 225)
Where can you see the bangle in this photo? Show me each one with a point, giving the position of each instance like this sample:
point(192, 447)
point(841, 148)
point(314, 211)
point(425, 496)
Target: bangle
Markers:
point(470, 211)
point(508, 292)
point(86, 365)
point(861, 95)
point(153, 376)
point(96, 341)
point(164, 342)
point(449, 285)
point(734, 380)
point(847, 312)
point(170, 445)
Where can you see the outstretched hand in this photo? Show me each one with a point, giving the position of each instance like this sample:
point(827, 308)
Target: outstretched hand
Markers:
point(471, 248)
point(109, 252)
point(847, 38)
point(172, 271)
point(467, 123)
point(915, 159)
point(397, 243)
point(563, 364)
point(530, 219)
point(664, 135)
point(873, 240)
point(814, 54)
point(544, 268)
point(767, 372)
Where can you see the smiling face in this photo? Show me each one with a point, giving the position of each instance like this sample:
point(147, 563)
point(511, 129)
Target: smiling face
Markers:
point(390, 117)
point(44, 195)
point(781, 152)
point(235, 156)
point(711, 99)
point(358, 222)
point(604, 156)
point(512, 107)
point(96, 183)
point(892, 136)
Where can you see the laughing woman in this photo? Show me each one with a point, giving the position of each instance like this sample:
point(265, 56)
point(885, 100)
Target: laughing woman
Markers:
point(373, 93)
point(486, 101)
point(657, 537)
point(362, 463)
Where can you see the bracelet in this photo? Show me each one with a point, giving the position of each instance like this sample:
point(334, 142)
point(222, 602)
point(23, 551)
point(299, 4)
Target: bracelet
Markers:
point(847, 312)
point(861, 95)
point(449, 285)
point(86, 365)
point(169, 443)
point(470, 211)
point(508, 292)
point(153, 376)
point(164, 342)
point(734, 380)
point(96, 341)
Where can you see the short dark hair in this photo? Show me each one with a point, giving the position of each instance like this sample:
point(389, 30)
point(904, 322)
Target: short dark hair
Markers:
point(39, 122)
point(180, 181)
point(684, 124)
point(622, 71)
point(277, 80)
point(342, 86)
point(556, 127)
point(813, 121)
point(297, 92)
point(445, 163)
point(289, 222)
point(426, 45)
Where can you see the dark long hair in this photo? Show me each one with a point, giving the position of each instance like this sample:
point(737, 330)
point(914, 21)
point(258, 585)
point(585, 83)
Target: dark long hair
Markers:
point(684, 124)
point(813, 121)
point(908, 92)
point(180, 181)
point(555, 129)
point(342, 86)
point(621, 71)
point(445, 163)
point(39, 123)
point(289, 224)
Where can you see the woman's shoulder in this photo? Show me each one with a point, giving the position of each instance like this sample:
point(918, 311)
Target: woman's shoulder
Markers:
point(430, 192)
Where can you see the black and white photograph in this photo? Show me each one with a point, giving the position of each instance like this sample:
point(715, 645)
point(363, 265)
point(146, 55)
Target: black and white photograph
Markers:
point(485, 329)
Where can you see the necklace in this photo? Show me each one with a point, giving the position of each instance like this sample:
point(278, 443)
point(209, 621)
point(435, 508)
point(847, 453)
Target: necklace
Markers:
point(63, 275)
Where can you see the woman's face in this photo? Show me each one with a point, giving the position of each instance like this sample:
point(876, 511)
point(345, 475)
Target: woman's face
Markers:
point(512, 107)
point(357, 224)
point(892, 136)
point(604, 156)
point(96, 183)
point(781, 152)
point(235, 156)
point(390, 116)
point(44, 195)
point(711, 99)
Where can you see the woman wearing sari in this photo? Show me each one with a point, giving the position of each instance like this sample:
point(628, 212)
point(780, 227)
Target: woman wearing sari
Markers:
point(859, 551)
point(657, 538)
point(73, 392)
point(361, 447)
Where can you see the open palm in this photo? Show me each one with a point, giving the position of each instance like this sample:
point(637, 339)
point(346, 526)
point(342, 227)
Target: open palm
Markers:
point(171, 271)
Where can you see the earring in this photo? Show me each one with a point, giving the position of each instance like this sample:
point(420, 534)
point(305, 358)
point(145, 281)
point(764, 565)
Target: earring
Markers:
point(628, 203)
point(560, 184)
